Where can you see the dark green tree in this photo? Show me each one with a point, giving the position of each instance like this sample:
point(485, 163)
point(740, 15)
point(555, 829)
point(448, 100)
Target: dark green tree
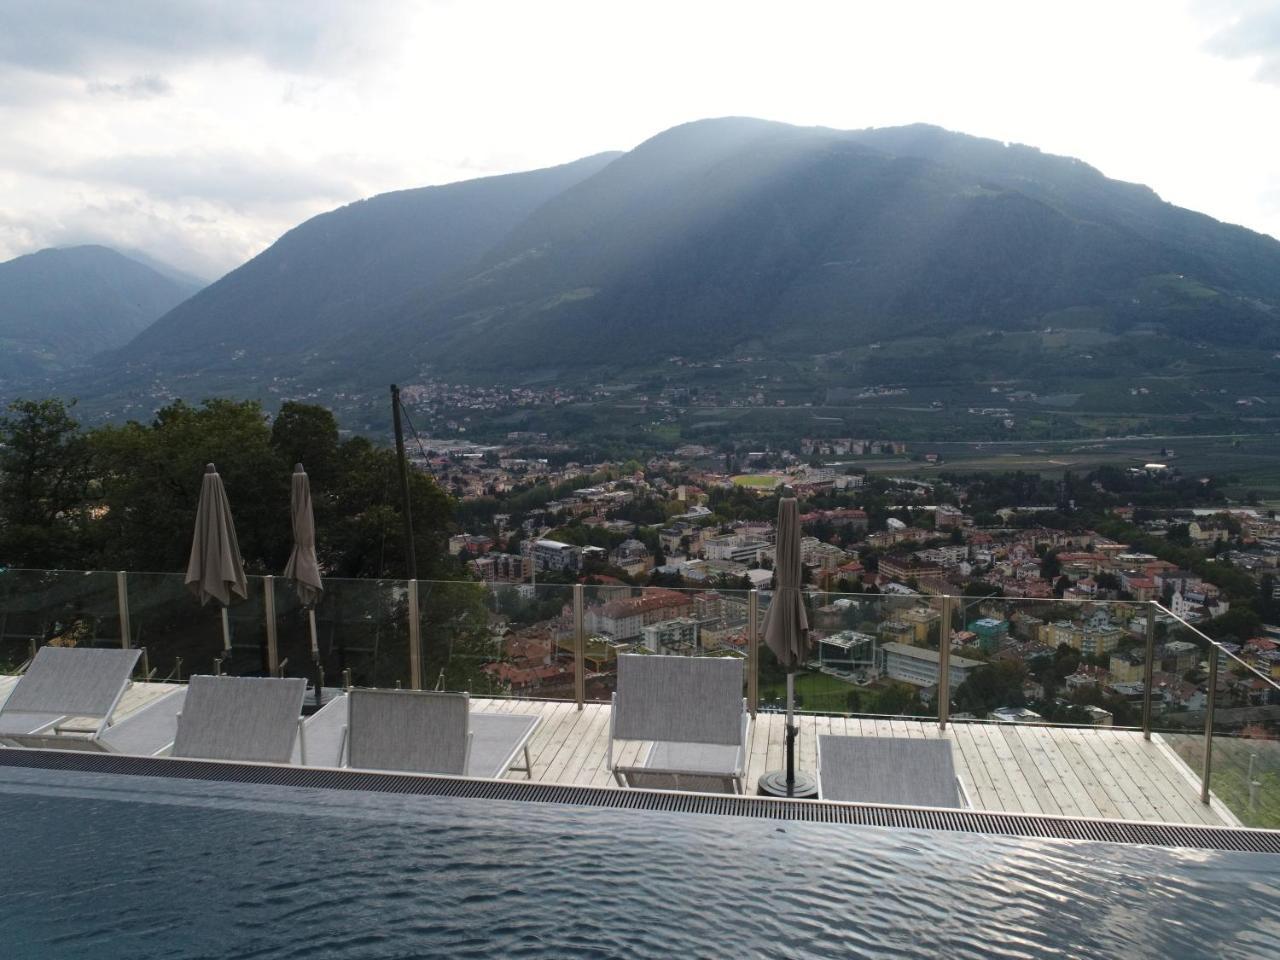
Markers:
point(44, 486)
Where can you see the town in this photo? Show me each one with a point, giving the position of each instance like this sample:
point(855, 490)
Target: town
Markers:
point(1052, 581)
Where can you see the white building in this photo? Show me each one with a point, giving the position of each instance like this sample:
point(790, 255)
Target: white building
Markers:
point(919, 666)
point(671, 636)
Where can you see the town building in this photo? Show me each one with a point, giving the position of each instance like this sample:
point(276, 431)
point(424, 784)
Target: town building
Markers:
point(679, 635)
point(919, 666)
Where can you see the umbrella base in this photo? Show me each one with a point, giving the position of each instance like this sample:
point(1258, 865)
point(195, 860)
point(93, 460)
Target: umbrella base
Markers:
point(774, 784)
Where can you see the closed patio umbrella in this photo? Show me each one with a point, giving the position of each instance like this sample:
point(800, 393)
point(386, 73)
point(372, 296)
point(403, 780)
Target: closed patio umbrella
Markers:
point(786, 631)
point(215, 570)
point(303, 568)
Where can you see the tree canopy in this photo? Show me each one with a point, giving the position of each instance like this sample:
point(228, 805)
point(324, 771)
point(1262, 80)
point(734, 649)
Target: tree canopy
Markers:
point(124, 497)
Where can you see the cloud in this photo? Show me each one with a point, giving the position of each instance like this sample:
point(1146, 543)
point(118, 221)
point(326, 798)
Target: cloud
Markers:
point(142, 87)
point(1253, 33)
point(82, 36)
point(238, 180)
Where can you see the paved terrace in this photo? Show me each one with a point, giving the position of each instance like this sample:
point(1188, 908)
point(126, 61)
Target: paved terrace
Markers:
point(1016, 768)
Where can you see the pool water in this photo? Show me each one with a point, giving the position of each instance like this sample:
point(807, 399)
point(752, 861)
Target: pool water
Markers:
point(102, 866)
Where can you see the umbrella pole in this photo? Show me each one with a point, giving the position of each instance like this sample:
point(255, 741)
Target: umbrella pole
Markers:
point(315, 653)
point(226, 631)
point(791, 733)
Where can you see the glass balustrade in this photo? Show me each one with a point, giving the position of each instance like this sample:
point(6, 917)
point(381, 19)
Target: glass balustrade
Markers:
point(1045, 701)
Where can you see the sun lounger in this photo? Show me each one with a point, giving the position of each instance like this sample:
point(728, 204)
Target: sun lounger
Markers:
point(417, 732)
point(891, 770)
point(67, 694)
point(253, 719)
point(692, 712)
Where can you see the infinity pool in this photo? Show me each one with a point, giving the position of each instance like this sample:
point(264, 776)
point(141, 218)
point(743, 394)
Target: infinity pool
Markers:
point(103, 866)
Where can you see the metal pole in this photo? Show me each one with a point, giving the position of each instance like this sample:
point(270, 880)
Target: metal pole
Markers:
point(753, 652)
point(944, 664)
point(1148, 668)
point(410, 552)
point(122, 604)
point(579, 649)
point(269, 612)
point(1208, 723)
point(315, 637)
point(791, 734)
point(415, 639)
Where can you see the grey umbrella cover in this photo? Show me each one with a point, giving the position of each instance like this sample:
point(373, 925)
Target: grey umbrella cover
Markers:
point(303, 567)
point(215, 570)
point(786, 625)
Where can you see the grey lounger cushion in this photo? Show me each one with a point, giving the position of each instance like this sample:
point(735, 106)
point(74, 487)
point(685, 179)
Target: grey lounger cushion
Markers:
point(679, 699)
point(323, 732)
point(67, 682)
point(240, 718)
point(496, 740)
point(692, 711)
point(891, 770)
point(149, 730)
point(408, 730)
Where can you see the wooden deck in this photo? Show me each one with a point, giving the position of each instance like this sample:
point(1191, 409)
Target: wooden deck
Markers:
point(1097, 772)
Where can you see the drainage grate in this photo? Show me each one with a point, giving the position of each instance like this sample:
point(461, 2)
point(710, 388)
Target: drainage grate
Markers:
point(917, 818)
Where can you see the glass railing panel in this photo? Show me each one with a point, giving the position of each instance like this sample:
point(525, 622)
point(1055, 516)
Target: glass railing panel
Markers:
point(1245, 770)
point(66, 607)
point(495, 639)
point(361, 633)
point(1180, 690)
point(620, 619)
point(844, 673)
point(1048, 661)
point(183, 637)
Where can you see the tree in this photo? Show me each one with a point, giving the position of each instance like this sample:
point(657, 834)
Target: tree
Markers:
point(308, 434)
point(151, 477)
point(1050, 566)
point(992, 685)
point(44, 485)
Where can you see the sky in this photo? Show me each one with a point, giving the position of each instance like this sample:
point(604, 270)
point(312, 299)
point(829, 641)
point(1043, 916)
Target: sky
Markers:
point(198, 131)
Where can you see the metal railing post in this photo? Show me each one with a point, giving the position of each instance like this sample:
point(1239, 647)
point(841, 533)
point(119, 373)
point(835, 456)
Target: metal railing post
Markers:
point(1148, 668)
point(1208, 723)
point(122, 604)
point(944, 664)
point(415, 638)
point(753, 652)
point(579, 649)
point(269, 612)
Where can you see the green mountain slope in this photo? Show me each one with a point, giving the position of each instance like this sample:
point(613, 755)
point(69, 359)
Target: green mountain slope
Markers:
point(733, 234)
point(59, 307)
point(329, 276)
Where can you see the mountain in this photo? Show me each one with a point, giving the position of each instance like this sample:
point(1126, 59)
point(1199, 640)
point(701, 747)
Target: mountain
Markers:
point(716, 239)
point(332, 275)
point(59, 307)
point(733, 234)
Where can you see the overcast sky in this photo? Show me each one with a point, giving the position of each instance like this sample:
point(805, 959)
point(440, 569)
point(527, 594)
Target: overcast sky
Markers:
point(198, 131)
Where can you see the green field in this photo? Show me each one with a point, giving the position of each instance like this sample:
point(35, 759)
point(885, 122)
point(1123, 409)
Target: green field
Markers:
point(822, 693)
point(1229, 779)
point(1252, 461)
point(755, 481)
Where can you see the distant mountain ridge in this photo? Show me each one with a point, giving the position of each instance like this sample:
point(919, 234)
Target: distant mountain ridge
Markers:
point(332, 275)
point(713, 237)
point(61, 306)
point(739, 233)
